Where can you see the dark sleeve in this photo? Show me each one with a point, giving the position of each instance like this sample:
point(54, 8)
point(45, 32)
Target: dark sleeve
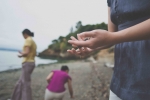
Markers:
point(109, 3)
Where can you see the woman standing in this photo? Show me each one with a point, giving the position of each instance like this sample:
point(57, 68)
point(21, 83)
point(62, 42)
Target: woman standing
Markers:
point(129, 31)
point(22, 89)
point(56, 81)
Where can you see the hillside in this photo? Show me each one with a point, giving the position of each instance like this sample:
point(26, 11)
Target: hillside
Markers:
point(59, 47)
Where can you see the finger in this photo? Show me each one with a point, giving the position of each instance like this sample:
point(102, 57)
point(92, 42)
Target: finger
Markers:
point(87, 34)
point(73, 50)
point(78, 52)
point(81, 51)
point(70, 51)
point(79, 37)
point(85, 48)
point(74, 46)
point(84, 51)
point(73, 38)
point(81, 43)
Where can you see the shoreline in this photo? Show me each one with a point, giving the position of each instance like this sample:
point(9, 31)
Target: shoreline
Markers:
point(40, 65)
point(90, 80)
point(9, 65)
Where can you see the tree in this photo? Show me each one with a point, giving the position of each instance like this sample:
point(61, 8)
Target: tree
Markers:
point(61, 44)
point(55, 41)
point(71, 30)
point(60, 39)
point(78, 25)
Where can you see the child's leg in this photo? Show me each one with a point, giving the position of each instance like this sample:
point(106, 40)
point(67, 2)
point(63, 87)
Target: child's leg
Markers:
point(60, 96)
point(48, 95)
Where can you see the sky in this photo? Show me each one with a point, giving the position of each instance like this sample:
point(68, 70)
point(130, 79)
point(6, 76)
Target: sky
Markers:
point(48, 19)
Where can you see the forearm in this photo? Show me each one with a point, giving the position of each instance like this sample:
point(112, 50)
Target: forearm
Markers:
point(48, 80)
point(23, 54)
point(137, 32)
point(71, 92)
point(70, 88)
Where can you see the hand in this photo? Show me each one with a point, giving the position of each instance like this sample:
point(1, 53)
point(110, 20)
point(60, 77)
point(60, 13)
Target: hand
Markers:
point(20, 52)
point(98, 38)
point(82, 52)
point(19, 55)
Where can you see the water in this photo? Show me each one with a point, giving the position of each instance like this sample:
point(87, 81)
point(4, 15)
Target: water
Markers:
point(10, 60)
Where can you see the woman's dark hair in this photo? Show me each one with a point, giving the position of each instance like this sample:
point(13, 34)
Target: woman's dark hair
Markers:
point(64, 68)
point(27, 31)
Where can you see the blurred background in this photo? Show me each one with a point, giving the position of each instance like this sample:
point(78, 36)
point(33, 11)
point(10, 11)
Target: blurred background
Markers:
point(53, 22)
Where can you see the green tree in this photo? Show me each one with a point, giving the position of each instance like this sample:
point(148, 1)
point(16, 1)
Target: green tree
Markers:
point(79, 24)
point(61, 44)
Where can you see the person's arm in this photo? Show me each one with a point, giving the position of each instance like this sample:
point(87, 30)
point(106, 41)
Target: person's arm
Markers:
point(70, 88)
point(99, 38)
point(48, 78)
point(137, 32)
point(111, 28)
point(25, 52)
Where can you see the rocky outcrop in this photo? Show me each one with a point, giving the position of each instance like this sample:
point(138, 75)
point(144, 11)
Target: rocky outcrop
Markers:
point(51, 54)
point(48, 53)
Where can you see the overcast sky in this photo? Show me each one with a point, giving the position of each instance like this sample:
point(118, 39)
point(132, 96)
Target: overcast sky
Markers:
point(48, 19)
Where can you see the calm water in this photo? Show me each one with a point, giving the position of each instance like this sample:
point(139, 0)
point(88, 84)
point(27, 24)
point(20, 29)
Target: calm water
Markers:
point(9, 60)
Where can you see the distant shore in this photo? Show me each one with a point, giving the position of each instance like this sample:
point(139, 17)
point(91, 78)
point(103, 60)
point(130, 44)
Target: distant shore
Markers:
point(10, 61)
point(8, 49)
point(40, 65)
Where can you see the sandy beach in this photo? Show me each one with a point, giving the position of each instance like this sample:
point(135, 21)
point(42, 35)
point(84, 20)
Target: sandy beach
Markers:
point(90, 80)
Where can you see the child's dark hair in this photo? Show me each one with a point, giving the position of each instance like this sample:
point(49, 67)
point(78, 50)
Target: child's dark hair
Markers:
point(27, 31)
point(64, 68)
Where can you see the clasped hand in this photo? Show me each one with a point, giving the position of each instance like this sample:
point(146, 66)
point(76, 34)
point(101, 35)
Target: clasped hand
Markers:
point(97, 39)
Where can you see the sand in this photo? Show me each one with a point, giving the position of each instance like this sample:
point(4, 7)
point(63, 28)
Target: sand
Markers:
point(90, 80)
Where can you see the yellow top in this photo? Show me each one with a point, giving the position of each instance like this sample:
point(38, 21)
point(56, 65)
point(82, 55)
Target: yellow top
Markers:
point(31, 44)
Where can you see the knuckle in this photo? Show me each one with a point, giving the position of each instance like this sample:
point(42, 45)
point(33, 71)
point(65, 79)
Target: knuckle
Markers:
point(95, 32)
